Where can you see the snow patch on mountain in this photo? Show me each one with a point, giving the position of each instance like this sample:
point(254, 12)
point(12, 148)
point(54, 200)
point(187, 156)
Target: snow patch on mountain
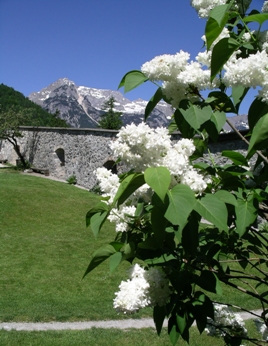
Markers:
point(82, 106)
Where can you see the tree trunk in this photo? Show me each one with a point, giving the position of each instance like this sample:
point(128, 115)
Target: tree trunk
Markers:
point(16, 147)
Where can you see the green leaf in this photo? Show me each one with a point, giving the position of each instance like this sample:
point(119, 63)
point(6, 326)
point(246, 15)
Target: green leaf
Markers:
point(99, 256)
point(172, 127)
point(153, 102)
point(159, 223)
point(115, 260)
point(128, 250)
point(159, 315)
point(181, 318)
point(219, 119)
point(259, 137)
point(213, 210)
point(204, 303)
point(223, 100)
point(162, 260)
point(181, 203)
point(190, 237)
point(236, 170)
point(257, 110)
point(246, 214)
point(184, 127)
point(259, 18)
point(217, 19)
point(132, 80)
point(221, 54)
point(172, 330)
point(129, 184)
point(158, 178)
point(236, 157)
point(149, 244)
point(238, 94)
point(202, 307)
point(193, 114)
point(96, 217)
point(226, 197)
point(200, 148)
point(215, 124)
point(209, 282)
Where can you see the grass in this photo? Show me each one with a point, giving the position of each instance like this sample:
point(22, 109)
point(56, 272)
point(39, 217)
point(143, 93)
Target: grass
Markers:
point(111, 337)
point(45, 248)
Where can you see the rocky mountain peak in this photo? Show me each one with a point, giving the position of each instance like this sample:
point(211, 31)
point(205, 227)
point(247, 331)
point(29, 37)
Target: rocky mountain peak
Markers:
point(81, 106)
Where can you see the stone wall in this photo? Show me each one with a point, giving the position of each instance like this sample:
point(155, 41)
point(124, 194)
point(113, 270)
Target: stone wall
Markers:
point(68, 151)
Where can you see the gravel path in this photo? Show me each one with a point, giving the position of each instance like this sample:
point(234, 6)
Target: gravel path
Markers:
point(119, 324)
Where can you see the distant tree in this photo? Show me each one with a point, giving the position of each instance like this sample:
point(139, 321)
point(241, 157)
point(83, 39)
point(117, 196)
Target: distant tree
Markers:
point(110, 119)
point(37, 116)
point(10, 121)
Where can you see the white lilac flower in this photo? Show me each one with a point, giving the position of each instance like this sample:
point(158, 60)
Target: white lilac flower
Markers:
point(204, 58)
point(165, 67)
point(109, 182)
point(122, 216)
point(261, 327)
point(246, 37)
point(262, 36)
point(159, 290)
point(203, 7)
point(225, 320)
point(249, 72)
point(265, 7)
point(194, 180)
point(175, 92)
point(141, 147)
point(143, 288)
point(181, 77)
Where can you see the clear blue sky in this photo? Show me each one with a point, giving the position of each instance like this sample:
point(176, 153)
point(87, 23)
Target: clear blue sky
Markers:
point(91, 42)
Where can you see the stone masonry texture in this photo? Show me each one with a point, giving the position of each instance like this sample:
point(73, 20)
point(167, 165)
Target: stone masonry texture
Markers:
point(68, 151)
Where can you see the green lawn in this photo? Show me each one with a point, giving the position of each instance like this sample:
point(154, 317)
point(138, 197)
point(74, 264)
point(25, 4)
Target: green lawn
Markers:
point(45, 248)
point(111, 337)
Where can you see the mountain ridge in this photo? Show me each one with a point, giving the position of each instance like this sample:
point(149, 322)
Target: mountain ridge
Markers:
point(81, 106)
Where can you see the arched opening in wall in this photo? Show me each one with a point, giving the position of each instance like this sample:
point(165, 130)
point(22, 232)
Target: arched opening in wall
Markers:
point(111, 166)
point(61, 156)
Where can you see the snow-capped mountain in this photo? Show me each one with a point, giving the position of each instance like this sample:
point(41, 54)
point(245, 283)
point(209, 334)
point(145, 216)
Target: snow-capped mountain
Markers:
point(239, 121)
point(81, 106)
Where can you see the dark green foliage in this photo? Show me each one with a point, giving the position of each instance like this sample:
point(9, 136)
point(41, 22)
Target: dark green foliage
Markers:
point(35, 115)
point(10, 121)
point(110, 119)
point(72, 180)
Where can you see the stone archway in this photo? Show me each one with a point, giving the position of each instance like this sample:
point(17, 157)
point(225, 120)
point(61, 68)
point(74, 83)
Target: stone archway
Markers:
point(59, 163)
point(61, 156)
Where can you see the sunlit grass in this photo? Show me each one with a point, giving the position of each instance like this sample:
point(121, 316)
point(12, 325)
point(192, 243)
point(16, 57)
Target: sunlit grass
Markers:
point(112, 337)
point(45, 248)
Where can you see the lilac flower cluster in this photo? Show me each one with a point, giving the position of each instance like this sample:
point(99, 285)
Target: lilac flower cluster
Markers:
point(141, 147)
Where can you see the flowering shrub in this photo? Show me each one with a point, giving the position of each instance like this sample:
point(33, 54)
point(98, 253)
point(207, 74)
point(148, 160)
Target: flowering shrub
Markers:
point(159, 205)
point(226, 322)
point(145, 288)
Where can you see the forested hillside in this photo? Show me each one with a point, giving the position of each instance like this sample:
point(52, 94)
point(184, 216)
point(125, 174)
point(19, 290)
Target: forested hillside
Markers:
point(35, 115)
